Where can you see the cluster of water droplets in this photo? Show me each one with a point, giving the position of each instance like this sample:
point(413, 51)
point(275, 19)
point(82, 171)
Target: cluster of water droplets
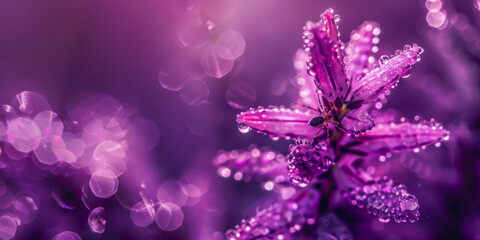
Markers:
point(306, 160)
point(257, 164)
point(281, 220)
point(414, 136)
point(385, 200)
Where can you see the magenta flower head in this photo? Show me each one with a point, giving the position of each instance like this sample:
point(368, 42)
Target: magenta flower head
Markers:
point(333, 128)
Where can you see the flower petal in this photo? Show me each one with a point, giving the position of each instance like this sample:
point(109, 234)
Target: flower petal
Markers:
point(257, 164)
point(325, 64)
point(360, 51)
point(385, 200)
point(357, 121)
point(382, 78)
point(286, 218)
point(278, 122)
point(396, 137)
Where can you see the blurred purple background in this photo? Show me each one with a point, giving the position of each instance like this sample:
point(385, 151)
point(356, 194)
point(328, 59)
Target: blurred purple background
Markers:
point(70, 50)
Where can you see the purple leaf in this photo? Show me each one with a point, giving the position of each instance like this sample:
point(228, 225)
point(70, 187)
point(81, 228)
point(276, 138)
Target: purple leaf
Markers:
point(324, 48)
point(278, 122)
point(385, 200)
point(360, 51)
point(307, 160)
point(386, 76)
point(284, 219)
point(357, 121)
point(396, 137)
point(257, 164)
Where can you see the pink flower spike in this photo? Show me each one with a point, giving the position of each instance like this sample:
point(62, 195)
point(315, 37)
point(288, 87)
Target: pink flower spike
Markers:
point(404, 136)
point(386, 76)
point(360, 51)
point(322, 43)
point(277, 122)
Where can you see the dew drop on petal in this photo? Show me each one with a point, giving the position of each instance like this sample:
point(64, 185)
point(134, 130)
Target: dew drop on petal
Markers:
point(103, 183)
point(194, 92)
point(193, 36)
point(8, 227)
point(240, 95)
point(234, 42)
point(67, 235)
point(169, 217)
point(213, 65)
point(97, 220)
point(173, 75)
point(243, 128)
point(409, 203)
point(142, 215)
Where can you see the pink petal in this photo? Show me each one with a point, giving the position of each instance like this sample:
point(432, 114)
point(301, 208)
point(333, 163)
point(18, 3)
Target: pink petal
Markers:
point(379, 80)
point(357, 121)
point(278, 122)
point(396, 137)
point(360, 51)
point(325, 63)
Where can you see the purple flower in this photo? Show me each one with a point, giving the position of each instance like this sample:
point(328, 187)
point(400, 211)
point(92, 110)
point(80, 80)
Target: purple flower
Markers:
point(336, 132)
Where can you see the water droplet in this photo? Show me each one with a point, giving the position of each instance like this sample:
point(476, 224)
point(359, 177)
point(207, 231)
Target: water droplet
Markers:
point(8, 227)
point(336, 18)
point(195, 92)
point(193, 36)
point(378, 105)
point(409, 203)
point(97, 220)
point(243, 128)
point(67, 235)
point(240, 95)
point(213, 64)
point(25, 209)
point(24, 134)
point(382, 158)
point(173, 75)
point(169, 217)
point(416, 150)
point(103, 183)
point(234, 42)
point(29, 103)
point(142, 214)
point(383, 59)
